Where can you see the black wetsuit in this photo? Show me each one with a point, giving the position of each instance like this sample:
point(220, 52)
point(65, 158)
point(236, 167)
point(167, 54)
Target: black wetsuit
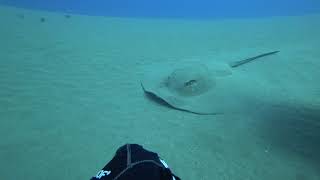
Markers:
point(133, 162)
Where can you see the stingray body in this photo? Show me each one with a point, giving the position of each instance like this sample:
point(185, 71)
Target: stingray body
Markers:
point(204, 89)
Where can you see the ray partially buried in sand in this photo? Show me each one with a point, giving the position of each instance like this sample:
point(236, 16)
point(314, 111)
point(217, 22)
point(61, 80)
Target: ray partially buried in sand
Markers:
point(204, 89)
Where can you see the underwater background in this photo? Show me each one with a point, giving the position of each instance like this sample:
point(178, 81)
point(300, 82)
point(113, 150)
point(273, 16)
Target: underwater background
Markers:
point(177, 8)
point(70, 91)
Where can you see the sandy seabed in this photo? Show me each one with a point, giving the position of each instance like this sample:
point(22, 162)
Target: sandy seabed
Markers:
point(70, 95)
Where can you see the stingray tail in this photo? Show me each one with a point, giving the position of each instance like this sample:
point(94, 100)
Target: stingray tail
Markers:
point(239, 63)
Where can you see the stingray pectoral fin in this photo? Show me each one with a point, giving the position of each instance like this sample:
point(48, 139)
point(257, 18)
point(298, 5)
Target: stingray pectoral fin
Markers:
point(239, 63)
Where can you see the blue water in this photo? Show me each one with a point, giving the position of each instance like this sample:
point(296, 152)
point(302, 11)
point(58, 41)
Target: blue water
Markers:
point(70, 87)
point(175, 8)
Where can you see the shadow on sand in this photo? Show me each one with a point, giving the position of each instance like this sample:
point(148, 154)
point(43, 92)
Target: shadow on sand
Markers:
point(295, 129)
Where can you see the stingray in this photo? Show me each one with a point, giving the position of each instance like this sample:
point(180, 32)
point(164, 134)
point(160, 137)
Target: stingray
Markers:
point(204, 89)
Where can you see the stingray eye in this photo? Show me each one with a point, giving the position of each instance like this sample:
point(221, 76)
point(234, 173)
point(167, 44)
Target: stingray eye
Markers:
point(190, 83)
